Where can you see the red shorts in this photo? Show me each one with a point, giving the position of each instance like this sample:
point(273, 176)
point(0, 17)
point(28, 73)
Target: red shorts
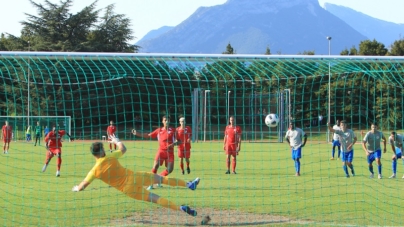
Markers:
point(231, 149)
point(6, 140)
point(164, 157)
point(184, 154)
point(53, 151)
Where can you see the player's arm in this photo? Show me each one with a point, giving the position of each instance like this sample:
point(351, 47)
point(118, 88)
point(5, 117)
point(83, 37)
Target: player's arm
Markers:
point(142, 135)
point(352, 144)
point(81, 186)
point(330, 128)
point(304, 140)
point(384, 144)
point(238, 142)
point(119, 144)
point(224, 141)
point(393, 148)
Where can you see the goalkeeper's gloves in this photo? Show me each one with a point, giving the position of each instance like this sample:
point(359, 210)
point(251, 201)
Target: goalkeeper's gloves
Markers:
point(114, 139)
point(75, 188)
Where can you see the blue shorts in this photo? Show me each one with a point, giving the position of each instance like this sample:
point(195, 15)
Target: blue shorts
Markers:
point(347, 156)
point(297, 153)
point(336, 143)
point(374, 155)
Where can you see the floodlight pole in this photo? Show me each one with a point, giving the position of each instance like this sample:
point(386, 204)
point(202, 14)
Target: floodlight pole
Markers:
point(204, 123)
point(28, 96)
point(329, 87)
point(228, 105)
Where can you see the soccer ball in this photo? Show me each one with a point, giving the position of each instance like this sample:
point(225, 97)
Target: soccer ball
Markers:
point(272, 120)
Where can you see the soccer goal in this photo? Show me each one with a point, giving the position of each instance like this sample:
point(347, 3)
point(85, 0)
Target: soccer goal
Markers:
point(20, 124)
point(86, 91)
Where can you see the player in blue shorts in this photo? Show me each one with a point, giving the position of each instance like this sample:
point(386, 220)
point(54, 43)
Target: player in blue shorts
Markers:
point(396, 142)
point(371, 145)
point(294, 137)
point(347, 138)
point(335, 141)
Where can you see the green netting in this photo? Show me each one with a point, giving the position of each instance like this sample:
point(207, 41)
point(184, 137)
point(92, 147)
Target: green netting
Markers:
point(135, 91)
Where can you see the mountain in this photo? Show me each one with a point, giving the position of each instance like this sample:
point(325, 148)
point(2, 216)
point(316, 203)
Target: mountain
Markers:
point(155, 33)
point(382, 31)
point(286, 26)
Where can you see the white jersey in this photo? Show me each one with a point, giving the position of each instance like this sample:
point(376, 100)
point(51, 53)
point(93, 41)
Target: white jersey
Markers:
point(295, 137)
point(398, 142)
point(345, 138)
point(335, 136)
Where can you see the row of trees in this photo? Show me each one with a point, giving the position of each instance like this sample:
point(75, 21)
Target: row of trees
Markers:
point(57, 29)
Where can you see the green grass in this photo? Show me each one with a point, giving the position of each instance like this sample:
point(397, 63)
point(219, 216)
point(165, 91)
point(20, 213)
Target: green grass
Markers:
point(265, 183)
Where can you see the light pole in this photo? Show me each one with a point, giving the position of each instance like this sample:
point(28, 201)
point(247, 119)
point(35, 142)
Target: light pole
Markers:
point(228, 105)
point(204, 122)
point(29, 49)
point(329, 87)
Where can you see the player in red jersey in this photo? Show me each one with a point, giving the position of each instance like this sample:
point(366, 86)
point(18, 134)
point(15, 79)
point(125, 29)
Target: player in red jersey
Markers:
point(165, 154)
point(111, 132)
point(232, 143)
point(7, 135)
point(183, 135)
point(53, 143)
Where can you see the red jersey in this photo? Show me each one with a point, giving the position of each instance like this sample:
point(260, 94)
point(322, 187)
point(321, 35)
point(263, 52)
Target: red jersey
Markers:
point(165, 138)
point(111, 129)
point(182, 136)
point(232, 133)
point(53, 139)
point(7, 132)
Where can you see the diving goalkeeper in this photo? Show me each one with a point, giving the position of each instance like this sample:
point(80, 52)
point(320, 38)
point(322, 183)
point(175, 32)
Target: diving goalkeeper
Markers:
point(108, 169)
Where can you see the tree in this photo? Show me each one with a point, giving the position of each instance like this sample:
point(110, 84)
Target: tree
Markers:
point(397, 48)
point(352, 51)
point(113, 33)
point(268, 51)
point(374, 48)
point(229, 49)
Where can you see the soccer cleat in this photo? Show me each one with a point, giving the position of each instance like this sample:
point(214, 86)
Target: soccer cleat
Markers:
point(402, 177)
point(228, 172)
point(150, 188)
point(188, 210)
point(44, 167)
point(159, 186)
point(58, 173)
point(234, 172)
point(182, 172)
point(192, 185)
point(297, 175)
point(110, 151)
point(347, 176)
point(392, 176)
point(371, 175)
point(332, 158)
point(188, 170)
point(379, 176)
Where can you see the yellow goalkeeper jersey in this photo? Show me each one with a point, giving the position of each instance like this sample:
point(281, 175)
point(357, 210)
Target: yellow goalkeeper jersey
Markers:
point(109, 170)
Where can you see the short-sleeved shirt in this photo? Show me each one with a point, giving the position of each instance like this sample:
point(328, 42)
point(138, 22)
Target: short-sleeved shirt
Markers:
point(53, 139)
point(373, 140)
point(295, 137)
point(109, 170)
point(232, 134)
point(165, 138)
point(111, 129)
point(38, 129)
point(7, 131)
point(398, 141)
point(182, 136)
point(345, 138)
point(335, 136)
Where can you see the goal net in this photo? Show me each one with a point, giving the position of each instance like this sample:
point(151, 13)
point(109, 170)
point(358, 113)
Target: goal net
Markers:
point(88, 90)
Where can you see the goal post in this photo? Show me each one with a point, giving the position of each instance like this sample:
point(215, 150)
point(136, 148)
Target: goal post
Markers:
point(20, 124)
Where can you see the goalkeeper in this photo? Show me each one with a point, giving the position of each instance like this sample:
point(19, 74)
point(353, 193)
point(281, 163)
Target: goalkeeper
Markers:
point(108, 169)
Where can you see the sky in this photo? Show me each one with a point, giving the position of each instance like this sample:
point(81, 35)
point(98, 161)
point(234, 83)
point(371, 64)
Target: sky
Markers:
point(147, 15)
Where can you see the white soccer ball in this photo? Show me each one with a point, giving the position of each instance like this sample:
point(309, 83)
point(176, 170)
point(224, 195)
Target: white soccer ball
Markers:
point(272, 120)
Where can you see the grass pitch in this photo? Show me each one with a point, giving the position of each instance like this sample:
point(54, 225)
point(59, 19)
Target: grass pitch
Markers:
point(264, 184)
